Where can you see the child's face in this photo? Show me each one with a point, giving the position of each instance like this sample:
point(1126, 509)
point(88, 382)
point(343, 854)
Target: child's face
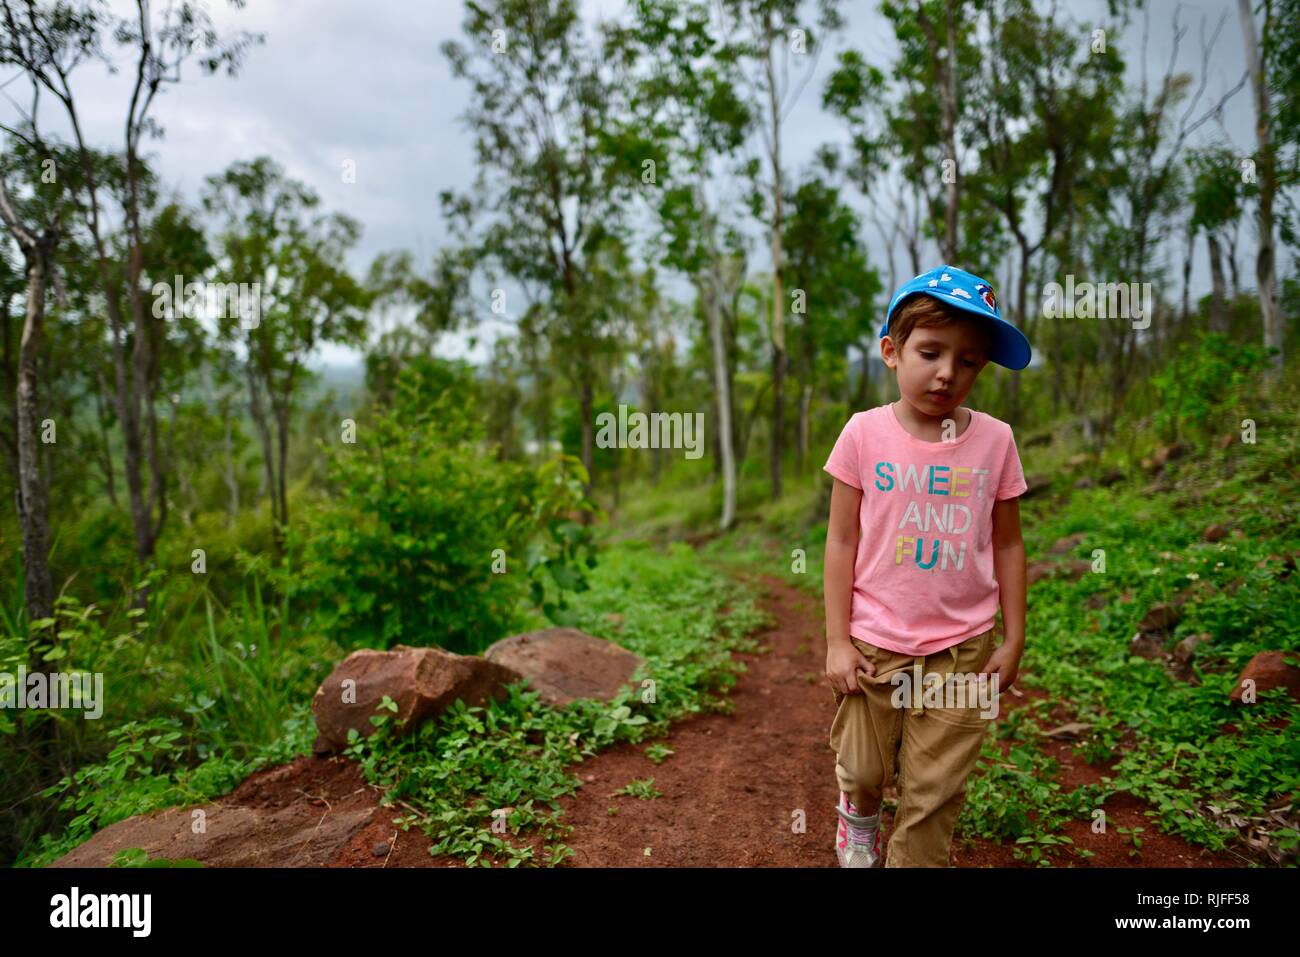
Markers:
point(938, 365)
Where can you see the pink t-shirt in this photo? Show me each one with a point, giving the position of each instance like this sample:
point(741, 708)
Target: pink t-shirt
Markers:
point(923, 578)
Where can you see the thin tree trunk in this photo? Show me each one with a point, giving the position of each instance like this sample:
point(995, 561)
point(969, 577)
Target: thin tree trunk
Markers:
point(723, 389)
point(107, 451)
point(232, 480)
point(588, 443)
point(1265, 274)
point(33, 502)
point(778, 288)
point(1218, 306)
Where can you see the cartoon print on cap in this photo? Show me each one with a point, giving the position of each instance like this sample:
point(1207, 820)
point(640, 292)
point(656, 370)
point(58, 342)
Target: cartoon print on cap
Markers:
point(986, 293)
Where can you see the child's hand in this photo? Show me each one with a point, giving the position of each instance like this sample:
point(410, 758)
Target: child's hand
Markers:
point(1005, 663)
point(843, 662)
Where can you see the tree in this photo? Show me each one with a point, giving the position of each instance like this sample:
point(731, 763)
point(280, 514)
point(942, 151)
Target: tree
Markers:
point(291, 256)
point(545, 179)
point(833, 287)
point(1266, 174)
point(38, 243)
point(684, 115)
point(160, 47)
point(768, 24)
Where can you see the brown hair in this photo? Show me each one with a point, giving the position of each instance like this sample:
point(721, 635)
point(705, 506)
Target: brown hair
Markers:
point(920, 310)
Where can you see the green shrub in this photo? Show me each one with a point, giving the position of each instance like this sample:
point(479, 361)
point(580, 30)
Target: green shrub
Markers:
point(429, 538)
point(1203, 376)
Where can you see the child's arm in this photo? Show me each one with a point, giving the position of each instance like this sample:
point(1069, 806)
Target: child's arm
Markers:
point(842, 659)
point(1009, 569)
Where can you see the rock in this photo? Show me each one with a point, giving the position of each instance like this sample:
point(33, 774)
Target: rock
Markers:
point(1068, 543)
point(1072, 570)
point(1161, 617)
point(1038, 571)
point(1215, 532)
point(231, 837)
point(1075, 570)
point(424, 682)
point(1184, 650)
point(1268, 670)
point(381, 849)
point(564, 664)
point(1146, 645)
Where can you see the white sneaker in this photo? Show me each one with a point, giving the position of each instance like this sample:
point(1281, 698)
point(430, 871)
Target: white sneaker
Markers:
point(857, 839)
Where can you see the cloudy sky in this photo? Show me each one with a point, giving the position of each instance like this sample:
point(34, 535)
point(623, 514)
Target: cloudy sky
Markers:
point(338, 80)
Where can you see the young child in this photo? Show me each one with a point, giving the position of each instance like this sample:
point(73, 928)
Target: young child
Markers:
point(923, 541)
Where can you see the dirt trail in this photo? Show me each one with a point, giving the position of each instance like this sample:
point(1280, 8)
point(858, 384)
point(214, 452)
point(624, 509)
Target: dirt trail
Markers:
point(730, 792)
point(732, 787)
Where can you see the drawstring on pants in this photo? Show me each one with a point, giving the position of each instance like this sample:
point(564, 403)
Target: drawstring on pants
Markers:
point(918, 661)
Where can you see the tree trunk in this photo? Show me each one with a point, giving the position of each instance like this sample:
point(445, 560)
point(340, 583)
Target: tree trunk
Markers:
point(230, 475)
point(946, 75)
point(588, 439)
point(778, 286)
point(257, 412)
point(1265, 275)
point(33, 503)
point(1218, 305)
point(723, 388)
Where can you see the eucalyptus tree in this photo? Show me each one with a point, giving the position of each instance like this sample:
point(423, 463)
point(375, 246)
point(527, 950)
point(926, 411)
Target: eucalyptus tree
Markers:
point(771, 34)
point(156, 47)
point(544, 202)
point(685, 117)
point(291, 256)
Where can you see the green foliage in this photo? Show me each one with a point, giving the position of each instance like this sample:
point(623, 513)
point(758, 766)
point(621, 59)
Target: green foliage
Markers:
point(139, 857)
point(428, 538)
point(643, 788)
point(1201, 381)
point(455, 777)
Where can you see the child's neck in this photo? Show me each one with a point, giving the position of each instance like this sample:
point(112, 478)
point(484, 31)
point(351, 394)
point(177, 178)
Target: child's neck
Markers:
point(929, 427)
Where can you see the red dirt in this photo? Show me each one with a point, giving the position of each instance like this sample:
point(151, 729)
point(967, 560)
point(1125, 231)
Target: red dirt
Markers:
point(735, 783)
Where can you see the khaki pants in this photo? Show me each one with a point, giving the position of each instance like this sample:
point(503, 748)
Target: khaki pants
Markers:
point(930, 750)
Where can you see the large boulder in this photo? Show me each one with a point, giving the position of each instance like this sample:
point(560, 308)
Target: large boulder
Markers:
point(423, 682)
point(564, 663)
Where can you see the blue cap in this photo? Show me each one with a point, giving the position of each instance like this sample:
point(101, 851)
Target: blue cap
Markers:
point(971, 294)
